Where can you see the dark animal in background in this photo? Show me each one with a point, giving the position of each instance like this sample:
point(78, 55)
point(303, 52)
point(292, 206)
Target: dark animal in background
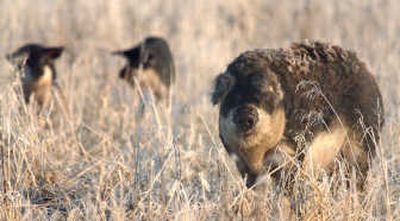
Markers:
point(35, 64)
point(152, 65)
point(306, 105)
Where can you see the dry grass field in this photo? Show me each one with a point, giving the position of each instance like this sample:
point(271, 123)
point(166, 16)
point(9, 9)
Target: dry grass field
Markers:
point(99, 161)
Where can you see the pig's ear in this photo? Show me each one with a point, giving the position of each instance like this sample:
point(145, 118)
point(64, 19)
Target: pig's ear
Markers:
point(223, 84)
point(53, 52)
point(17, 60)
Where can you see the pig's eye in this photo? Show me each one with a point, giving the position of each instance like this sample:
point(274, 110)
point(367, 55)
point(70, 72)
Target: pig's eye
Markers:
point(258, 82)
point(29, 61)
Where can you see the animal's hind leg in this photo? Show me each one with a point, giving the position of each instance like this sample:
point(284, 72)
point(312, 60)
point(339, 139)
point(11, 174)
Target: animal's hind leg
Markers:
point(358, 159)
point(324, 149)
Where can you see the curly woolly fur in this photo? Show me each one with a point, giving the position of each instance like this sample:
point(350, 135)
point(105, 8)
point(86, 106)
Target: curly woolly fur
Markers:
point(322, 85)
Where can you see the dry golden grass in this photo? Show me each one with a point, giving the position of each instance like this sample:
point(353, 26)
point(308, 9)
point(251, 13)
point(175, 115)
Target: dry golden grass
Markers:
point(100, 161)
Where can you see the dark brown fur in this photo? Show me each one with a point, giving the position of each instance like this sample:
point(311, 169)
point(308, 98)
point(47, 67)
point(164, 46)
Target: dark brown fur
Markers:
point(35, 64)
point(151, 63)
point(325, 89)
